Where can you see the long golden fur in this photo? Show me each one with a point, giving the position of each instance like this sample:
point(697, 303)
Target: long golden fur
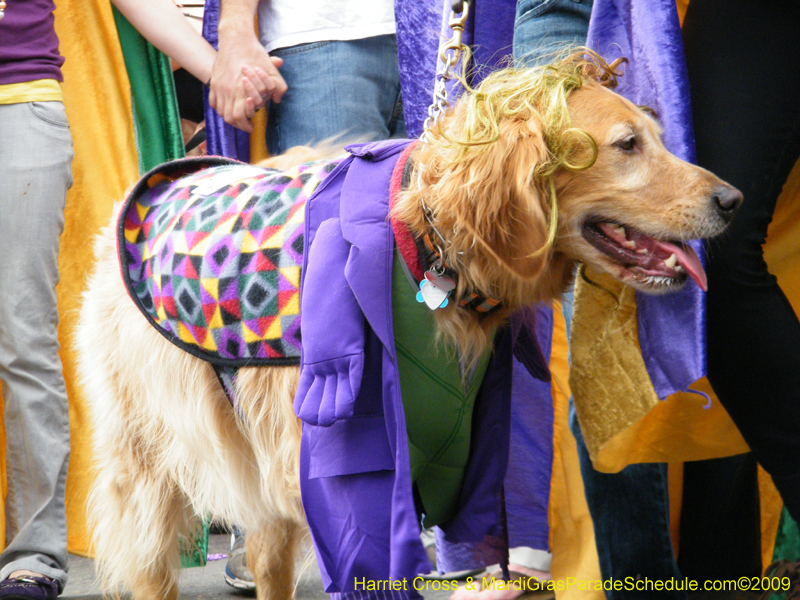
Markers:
point(515, 180)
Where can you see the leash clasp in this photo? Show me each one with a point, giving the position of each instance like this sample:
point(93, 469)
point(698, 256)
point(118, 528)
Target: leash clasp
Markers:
point(456, 23)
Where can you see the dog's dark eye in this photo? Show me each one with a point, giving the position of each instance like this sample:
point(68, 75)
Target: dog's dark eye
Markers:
point(627, 144)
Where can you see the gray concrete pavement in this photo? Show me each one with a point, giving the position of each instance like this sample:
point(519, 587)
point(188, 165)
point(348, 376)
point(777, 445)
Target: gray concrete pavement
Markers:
point(199, 583)
point(205, 583)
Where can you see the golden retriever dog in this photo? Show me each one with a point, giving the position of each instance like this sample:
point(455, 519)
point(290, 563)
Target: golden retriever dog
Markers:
point(532, 172)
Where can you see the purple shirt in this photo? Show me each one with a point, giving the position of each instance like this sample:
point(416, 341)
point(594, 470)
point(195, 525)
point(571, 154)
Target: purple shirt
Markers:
point(28, 42)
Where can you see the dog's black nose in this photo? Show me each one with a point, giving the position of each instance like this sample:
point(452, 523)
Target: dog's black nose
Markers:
point(727, 201)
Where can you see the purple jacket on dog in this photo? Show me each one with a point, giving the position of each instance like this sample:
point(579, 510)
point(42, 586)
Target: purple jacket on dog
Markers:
point(354, 461)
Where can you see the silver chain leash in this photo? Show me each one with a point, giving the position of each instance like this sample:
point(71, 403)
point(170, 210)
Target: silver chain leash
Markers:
point(450, 53)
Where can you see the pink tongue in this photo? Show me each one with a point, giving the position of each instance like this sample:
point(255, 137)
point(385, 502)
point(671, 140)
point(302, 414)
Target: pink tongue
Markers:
point(685, 255)
point(688, 259)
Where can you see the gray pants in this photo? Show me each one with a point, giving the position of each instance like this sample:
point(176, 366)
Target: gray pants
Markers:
point(35, 158)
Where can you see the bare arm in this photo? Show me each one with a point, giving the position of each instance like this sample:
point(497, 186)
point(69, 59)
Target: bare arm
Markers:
point(164, 26)
point(239, 47)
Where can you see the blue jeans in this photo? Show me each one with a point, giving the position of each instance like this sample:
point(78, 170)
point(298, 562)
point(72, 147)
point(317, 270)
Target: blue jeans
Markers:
point(35, 158)
point(630, 511)
point(345, 90)
point(543, 28)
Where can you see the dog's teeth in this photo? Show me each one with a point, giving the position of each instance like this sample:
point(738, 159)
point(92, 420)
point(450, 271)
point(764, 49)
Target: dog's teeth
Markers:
point(671, 261)
point(660, 281)
point(641, 251)
point(630, 244)
point(619, 229)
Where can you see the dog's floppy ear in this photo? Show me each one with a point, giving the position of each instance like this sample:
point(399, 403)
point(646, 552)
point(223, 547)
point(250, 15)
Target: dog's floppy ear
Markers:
point(530, 223)
point(507, 210)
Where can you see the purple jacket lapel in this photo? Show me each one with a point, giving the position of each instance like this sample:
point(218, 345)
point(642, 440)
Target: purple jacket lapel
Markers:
point(365, 224)
point(369, 267)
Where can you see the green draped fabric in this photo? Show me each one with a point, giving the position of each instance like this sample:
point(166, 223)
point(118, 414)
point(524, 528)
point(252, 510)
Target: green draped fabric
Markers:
point(155, 106)
point(157, 128)
point(787, 539)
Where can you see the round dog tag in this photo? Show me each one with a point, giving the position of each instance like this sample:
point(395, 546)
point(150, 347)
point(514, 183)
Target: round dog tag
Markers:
point(443, 282)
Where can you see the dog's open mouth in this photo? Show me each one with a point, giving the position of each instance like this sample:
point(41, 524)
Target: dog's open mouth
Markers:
point(647, 261)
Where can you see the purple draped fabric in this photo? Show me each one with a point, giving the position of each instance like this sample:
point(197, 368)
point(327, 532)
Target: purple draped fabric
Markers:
point(420, 27)
point(672, 327)
point(490, 31)
point(530, 460)
point(222, 139)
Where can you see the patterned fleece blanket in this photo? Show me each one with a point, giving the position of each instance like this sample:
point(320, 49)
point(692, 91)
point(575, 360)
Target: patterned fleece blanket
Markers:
point(211, 251)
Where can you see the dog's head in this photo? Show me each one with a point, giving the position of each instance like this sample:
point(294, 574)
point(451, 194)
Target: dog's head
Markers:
point(632, 212)
point(541, 167)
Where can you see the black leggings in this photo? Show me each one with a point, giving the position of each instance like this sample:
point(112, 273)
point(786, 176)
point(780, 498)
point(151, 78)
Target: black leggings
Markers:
point(742, 58)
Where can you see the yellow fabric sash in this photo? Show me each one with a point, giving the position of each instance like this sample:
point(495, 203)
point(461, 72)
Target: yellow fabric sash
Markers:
point(41, 90)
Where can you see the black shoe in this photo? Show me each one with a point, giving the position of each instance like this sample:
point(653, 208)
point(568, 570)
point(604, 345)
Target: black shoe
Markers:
point(29, 587)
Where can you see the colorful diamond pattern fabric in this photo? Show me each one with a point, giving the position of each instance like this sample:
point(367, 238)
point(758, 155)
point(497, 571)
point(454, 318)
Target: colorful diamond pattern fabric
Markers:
point(211, 252)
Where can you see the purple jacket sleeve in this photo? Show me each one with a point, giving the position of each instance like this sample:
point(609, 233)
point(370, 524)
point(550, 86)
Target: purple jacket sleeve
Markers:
point(332, 365)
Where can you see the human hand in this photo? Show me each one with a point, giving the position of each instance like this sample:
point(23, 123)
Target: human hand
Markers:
point(244, 77)
point(255, 83)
